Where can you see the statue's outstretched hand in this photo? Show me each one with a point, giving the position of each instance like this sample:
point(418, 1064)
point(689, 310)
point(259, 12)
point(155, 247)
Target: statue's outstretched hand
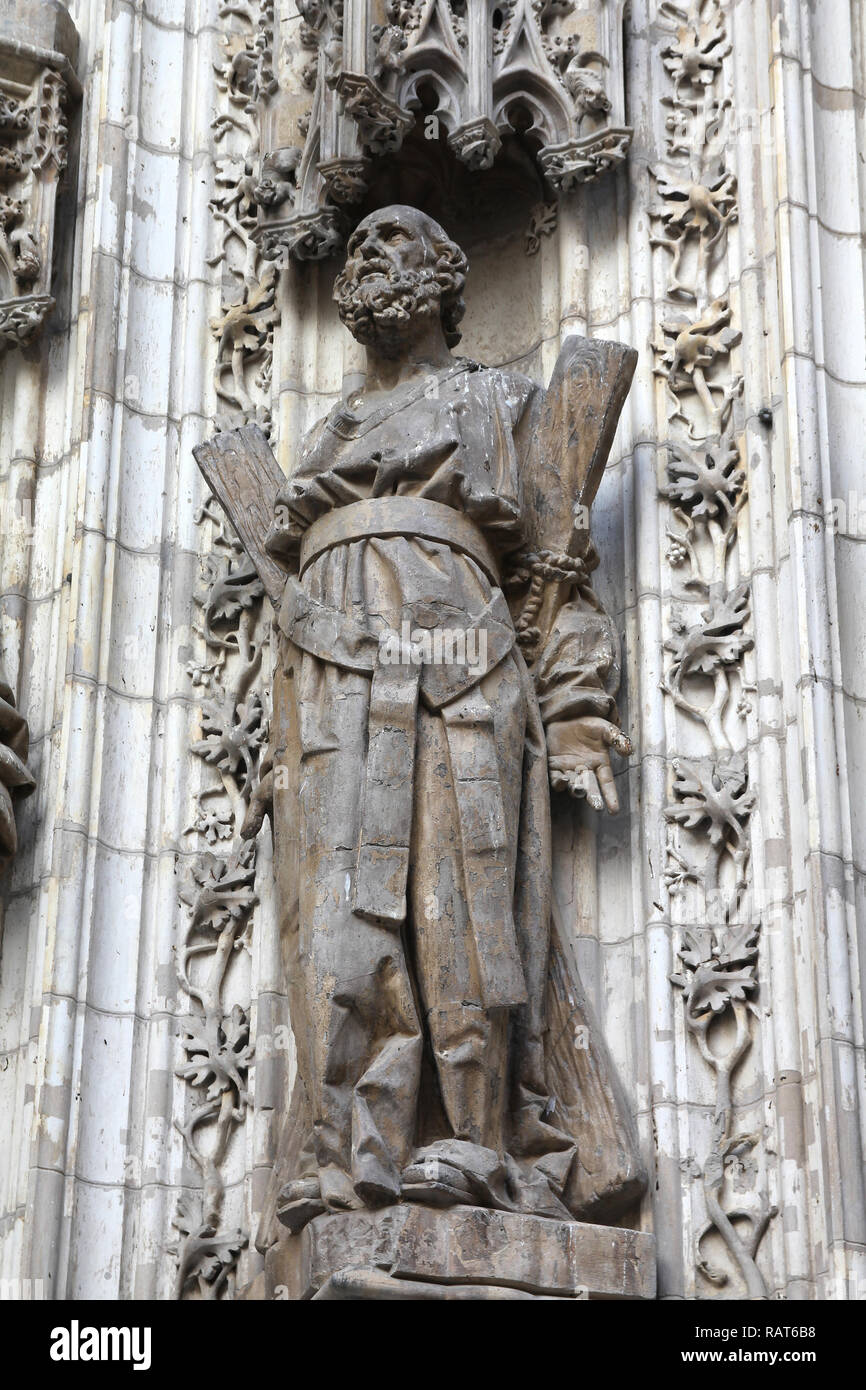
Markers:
point(578, 754)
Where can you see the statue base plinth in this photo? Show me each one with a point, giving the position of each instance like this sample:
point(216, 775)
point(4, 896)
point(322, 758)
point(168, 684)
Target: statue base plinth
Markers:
point(466, 1253)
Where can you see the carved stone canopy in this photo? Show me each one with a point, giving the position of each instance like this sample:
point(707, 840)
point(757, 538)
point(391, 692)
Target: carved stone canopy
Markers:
point(38, 47)
point(467, 72)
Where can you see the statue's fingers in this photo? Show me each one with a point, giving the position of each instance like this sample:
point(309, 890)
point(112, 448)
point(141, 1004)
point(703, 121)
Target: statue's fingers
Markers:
point(567, 775)
point(616, 739)
point(561, 771)
point(608, 788)
point(586, 784)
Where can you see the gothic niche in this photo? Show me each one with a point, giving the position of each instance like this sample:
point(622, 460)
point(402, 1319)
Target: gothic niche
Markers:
point(357, 77)
point(38, 45)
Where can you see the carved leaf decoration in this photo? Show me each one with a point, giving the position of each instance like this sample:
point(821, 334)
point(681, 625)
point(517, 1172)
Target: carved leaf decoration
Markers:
point(695, 55)
point(717, 641)
point(718, 972)
point(696, 203)
point(728, 616)
point(187, 1215)
point(693, 204)
point(233, 736)
point(713, 988)
point(706, 481)
point(220, 1057)
point(229, 170)
point(711, 796)
point(738, 946)
point(696, 344)
point(228, 597)
point(220, 1253)
point(542, 222)
point(203, 1252)
point(224, 888)
point(694, 952)
point(215, 825)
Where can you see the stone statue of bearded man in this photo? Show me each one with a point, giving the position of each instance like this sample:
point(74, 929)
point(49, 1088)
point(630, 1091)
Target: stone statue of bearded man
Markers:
point(442, 660)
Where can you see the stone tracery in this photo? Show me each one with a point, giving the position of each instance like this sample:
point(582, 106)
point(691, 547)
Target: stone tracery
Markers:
point(550, 71)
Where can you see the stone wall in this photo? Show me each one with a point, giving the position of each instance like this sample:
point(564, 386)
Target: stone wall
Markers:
point(728, 525)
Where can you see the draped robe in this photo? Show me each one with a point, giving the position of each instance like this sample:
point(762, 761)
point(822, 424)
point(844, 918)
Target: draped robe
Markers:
point(443, 1042)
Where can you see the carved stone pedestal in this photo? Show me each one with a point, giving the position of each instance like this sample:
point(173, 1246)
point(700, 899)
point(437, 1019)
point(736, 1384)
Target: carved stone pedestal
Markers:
point(420, 1253)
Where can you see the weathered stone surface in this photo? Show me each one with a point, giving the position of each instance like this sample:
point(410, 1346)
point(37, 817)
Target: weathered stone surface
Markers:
point(421, 950)
point(365, 1284)
point(40, 24)
point(108, 652)
point(363, 1255)
point(567, 1259)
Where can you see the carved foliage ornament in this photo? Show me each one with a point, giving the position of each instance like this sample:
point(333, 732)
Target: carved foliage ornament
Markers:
point(218, 892)
point(466, 71)
point(37, 88)
point(218, 887)
point(711, 803)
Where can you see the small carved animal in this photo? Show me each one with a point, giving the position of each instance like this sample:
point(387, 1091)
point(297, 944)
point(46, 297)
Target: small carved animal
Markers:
point(586, 87)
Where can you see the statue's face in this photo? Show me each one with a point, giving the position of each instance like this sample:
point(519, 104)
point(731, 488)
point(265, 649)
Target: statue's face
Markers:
point(390, 281)
point(390, 241)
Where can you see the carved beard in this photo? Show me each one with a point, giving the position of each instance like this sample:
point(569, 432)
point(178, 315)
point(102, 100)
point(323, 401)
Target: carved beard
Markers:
point(380, 306)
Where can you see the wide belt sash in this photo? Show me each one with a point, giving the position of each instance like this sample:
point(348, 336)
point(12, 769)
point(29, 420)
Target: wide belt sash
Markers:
point(415, 517)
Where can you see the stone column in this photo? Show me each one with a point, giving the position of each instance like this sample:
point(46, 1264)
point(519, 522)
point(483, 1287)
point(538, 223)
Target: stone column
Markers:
point(104, 410)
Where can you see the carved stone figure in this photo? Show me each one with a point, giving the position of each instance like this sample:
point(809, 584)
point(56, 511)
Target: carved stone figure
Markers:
point(445, 1054)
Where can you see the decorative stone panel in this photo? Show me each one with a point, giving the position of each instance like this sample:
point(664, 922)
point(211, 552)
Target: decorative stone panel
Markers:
point(38, 48)
point(358, 75)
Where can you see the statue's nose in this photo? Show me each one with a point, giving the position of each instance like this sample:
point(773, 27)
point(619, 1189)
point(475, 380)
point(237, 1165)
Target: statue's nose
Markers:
point(371, 246)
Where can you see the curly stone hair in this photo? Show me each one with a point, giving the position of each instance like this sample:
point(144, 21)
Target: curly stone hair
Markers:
point(450, 268)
